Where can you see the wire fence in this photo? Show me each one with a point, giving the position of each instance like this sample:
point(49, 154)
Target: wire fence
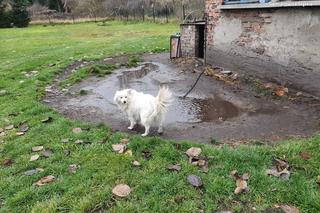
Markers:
point(155, 13)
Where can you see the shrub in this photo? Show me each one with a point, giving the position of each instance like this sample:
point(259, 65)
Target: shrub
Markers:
point(5, 19)
point(20, 14)
point(5, 16)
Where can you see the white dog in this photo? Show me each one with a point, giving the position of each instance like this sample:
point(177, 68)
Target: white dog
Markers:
point(143, 108)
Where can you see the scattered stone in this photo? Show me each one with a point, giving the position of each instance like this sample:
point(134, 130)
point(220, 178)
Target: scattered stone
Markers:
point(121, 190)
point(31, 73)
point(47, 153)
point(179, 199)
point(195, 180)
point(3, 92)
point(136, 163)
point(2, 134)
point(7, 162)
point(47, 120)
point(193, 152)
point(20, 133)
point(175, 167)
point(146, 154)
point(202, 162)
point(128, 152)
point(72, 168)
point(79, 142)
point(66, 140)
point(124, 141)
point(13, 114)
point(241, 182)
point(289, 209)
point(9, 127)
point(1, 130)
point(119, 148)
point(305, 155)
point(34, 157)
point(33, 171)
point(226, 72)
point(37, 148)
point(67, 152)
point(43, 181)
point(77, 130)
point(280, 169)
point(281, 91)
point(23, 128)
point(299, 94)
point(268, 85)
point(52, 65)
point(48, 89)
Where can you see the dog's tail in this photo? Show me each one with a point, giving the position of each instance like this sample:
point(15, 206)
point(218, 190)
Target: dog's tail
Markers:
point(164, 99)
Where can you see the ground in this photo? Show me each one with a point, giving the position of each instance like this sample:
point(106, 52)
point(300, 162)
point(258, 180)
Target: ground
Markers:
point(48, 50)
point(214, 110)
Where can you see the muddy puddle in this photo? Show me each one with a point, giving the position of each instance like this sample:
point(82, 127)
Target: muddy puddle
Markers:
point(213, 110)
point(148, 78)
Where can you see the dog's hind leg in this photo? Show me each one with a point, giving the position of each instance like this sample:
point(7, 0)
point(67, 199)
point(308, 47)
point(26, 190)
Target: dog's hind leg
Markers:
point(160, 129)
point(146, 125)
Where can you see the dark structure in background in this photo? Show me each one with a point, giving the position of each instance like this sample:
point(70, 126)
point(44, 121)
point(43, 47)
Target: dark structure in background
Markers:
point(193, 39)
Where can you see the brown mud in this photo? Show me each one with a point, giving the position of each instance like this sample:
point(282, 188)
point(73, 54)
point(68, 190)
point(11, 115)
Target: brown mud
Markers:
point(213, 111)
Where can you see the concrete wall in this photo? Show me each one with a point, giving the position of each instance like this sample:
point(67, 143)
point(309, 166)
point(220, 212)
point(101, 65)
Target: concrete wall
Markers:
point(276, 44)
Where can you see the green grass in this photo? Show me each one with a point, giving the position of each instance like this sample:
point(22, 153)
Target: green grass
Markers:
point(154, 188)
point(99, 70)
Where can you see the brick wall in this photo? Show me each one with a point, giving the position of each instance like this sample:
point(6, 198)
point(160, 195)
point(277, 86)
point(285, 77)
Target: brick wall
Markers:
point(188, 39)
point(213, 15)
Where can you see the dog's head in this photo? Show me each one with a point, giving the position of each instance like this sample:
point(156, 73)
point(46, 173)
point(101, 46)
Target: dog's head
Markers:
point(121, 98)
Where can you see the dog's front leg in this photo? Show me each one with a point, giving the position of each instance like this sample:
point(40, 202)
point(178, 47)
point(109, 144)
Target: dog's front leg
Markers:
point(132, 123)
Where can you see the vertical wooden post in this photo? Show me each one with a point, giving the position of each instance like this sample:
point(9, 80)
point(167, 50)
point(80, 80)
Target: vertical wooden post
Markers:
point(183, 12)
point(142, 13)
point(166, 8)
point(153, 13)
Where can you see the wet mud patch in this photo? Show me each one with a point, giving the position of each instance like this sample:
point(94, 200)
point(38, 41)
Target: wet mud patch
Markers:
point(213, 111)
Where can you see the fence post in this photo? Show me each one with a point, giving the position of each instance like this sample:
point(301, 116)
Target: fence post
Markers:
point(166, 8)
point(153, 13)
point(183, 12)
point(142, 13)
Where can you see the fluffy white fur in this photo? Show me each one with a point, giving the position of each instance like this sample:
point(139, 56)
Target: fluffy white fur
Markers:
point(144, 108)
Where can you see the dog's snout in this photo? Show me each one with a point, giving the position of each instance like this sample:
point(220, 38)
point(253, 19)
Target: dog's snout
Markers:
point(124, 102)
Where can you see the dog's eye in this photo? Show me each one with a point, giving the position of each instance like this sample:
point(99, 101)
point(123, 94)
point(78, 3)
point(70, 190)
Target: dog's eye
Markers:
point(126, 97)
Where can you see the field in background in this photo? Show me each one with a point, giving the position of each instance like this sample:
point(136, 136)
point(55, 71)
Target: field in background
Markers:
point(155, 189)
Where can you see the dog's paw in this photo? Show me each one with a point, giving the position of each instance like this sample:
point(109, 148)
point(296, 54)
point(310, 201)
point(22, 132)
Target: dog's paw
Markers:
point(144, 134)
point(130, 127)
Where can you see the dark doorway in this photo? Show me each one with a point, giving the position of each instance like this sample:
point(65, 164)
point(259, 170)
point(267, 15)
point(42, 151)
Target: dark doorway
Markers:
point(200, 41)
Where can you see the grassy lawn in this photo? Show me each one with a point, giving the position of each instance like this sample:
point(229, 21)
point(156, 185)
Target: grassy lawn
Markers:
point(155, 189)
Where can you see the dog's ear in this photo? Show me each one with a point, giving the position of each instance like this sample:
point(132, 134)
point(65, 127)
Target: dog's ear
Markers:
point(130, 91)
